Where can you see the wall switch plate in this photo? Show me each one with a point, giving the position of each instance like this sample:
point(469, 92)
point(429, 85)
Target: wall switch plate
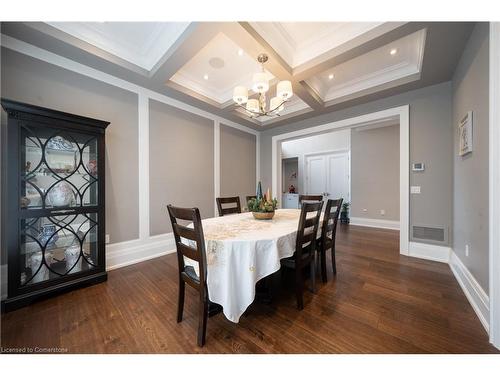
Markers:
point(466, 250)
point(365, 210)
point(418, 167)
point(415, 190)
point(382, 212)
point(106, 240)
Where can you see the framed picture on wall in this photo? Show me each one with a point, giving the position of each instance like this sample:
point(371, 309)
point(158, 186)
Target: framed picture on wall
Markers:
point(465, 135)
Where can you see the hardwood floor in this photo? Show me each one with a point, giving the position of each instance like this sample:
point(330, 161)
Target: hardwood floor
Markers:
point(380, 302)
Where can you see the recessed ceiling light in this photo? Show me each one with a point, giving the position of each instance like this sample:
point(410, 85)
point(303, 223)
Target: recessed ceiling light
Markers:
point(205, 76)
point(240, 52)
point(330, 76)
point(394, 51)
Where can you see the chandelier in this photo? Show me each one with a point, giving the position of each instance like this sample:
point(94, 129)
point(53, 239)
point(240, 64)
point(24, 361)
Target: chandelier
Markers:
point(258, 107)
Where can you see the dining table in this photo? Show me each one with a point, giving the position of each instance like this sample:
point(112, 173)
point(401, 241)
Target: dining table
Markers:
point(242, 250)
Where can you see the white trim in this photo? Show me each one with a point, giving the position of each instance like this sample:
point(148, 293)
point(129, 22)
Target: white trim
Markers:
point(430, 252)
point(374, 223)
point(216, 164)
point(401, 113)
point(257, 159)
point(126, 253)
point(143, 158)
point(494, 183)
point(71, 65)
point(475, 294)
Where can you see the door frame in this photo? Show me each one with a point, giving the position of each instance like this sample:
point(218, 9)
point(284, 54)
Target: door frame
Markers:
point(402, 114)
point(346, 151)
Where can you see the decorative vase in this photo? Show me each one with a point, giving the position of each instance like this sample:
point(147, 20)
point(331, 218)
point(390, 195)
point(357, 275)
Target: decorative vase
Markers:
point(60, 195)
point(34, 262)
point(47, 235)
point(263, 215)
point(72, 256)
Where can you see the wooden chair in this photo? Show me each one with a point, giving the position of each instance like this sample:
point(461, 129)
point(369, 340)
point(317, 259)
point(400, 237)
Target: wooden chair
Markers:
point(305, 248)
point(310, 198)
point(197, 253)
point(328, 233)
point(235, 207)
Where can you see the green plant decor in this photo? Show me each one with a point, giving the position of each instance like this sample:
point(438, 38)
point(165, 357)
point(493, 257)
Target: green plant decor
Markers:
point(262, 205)
point(345, 207)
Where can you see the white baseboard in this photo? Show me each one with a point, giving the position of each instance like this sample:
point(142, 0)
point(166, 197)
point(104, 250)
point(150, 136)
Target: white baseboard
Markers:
point(374, 223)
point(430, 252)
point(130, 252)
point(477, 297)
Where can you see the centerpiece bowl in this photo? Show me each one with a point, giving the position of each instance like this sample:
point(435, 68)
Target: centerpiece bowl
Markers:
point(263, 215)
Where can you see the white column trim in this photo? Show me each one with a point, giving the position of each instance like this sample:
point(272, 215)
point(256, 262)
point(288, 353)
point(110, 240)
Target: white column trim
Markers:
point(143, 157)
point(402, 114)
point(257, 160)
point(494, 185)
point(216, 164)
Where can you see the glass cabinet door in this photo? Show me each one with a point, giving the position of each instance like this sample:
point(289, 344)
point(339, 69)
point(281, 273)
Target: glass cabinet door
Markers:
point(59, 169)
point(55, 246)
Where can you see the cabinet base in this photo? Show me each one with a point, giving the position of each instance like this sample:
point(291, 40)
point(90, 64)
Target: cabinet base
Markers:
point(17, 302)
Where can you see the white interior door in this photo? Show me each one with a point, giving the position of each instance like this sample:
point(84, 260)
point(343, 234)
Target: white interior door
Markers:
point(316, 175)
point(338, 176)
point(328, 175)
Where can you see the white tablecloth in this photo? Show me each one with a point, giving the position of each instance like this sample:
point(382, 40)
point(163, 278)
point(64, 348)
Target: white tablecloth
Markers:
point(241, 251)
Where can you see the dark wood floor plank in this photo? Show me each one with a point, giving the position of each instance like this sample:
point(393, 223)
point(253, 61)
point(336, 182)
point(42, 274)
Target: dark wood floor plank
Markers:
point(379, 302)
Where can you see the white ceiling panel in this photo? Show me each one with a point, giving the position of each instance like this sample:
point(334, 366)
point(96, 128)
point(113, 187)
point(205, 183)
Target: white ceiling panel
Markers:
point(376, 68)
point(217, 68)
point(300, 42)
point(140, 43)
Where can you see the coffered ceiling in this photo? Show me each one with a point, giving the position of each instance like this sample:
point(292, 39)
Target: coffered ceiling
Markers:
point(331, 65)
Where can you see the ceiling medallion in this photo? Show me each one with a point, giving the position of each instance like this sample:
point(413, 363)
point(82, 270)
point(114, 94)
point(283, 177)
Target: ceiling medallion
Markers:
point(257, 107)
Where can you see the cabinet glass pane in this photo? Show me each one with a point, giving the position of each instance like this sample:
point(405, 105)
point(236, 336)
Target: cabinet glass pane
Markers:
point(55, 246)
point(59, 168)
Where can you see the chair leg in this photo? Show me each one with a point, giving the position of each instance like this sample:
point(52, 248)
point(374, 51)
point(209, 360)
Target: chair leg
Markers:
point(313, 275)
point(322, 255)
point(180, 302)
point(202, 318)
point(299, 288)
point(334, 263)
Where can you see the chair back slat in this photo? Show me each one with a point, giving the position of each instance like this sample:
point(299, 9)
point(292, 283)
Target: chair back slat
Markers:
point(307, 232)
point(330, 219)
point(195, 247)
point(235, 207)
point(310, 198)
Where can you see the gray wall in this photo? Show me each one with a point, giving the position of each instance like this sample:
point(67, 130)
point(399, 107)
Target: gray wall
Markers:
point(430, 142)
point(237, 163)
point(470, 194)
point(375, 173)
point(32, 81)
point(181, 163)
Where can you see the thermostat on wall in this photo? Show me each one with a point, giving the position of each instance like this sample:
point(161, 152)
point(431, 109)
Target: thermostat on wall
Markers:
point(418, 167)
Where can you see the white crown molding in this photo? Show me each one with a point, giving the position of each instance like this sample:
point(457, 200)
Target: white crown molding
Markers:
point(475, 294)
point(374, 223)
point(161, 38)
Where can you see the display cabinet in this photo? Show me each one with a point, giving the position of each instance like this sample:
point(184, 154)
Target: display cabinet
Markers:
point(53, 208)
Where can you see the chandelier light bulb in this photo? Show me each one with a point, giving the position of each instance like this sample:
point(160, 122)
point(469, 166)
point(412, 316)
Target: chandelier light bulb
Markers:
point(284, 90)
point(253, 106)
point(260, 83)
point(240, 94)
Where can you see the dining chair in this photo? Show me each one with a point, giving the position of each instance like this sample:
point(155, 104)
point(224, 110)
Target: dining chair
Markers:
point(196, 252)
point(234, 205)
point(305, 248)
point(310, 198)
point(328, 234)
